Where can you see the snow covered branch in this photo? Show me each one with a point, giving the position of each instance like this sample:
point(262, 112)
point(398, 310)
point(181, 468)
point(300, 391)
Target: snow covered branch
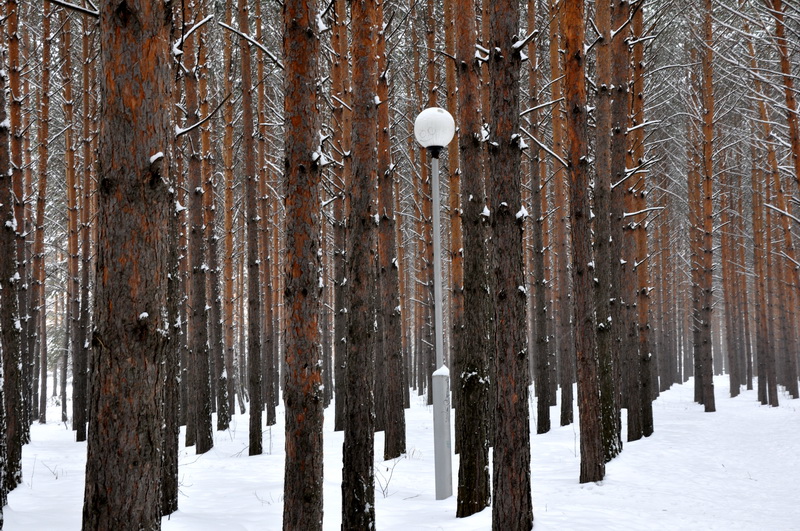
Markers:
point(179, 131)
point(254, 42)
point(176, 48)
point(782, 212)
point(79, 9)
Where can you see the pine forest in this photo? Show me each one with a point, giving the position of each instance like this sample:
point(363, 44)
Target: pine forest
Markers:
point(222, 209)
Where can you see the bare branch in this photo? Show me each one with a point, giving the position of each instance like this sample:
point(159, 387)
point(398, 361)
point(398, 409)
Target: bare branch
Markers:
point(79, 9)
point(257, 44)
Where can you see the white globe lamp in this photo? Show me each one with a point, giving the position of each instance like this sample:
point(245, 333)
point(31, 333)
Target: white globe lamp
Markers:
point(434, 128)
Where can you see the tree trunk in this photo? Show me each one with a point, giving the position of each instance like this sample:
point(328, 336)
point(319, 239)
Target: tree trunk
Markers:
point(564, 334)
point(512, 507)
point(541, 351)
point(38, 306)
point(254, 361)
point(471, 347)
point(707, 172)
point(10, 166)
point(302, 392)
point(389, 310)
point(592, 461)
point(199, 373)
point(228, 228)
point(635, 147)
point(358, 481)
point(123, 471)
point(608, 288)
point(340, 88)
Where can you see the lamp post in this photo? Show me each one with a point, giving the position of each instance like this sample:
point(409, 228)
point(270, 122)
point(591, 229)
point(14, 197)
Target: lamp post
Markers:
point(434, 128)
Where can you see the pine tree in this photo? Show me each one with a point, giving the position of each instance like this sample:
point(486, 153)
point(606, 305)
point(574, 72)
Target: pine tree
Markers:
point(123, 470)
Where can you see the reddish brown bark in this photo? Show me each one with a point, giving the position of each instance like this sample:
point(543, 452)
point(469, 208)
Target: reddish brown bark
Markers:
point(303, 380)
point(564, 335)
point(707, 222)
point(358, 482)
point(228, 228)
point(389, 309)
point(199, 372)
point(254, 361)
point(592, 461)
point(471, 347)
point(123, 470)
point(512, 507)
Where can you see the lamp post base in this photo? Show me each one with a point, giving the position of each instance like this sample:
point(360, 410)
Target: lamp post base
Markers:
point(442, 449)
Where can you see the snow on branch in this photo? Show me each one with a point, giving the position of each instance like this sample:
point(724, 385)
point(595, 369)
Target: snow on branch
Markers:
point(784, 213)
point(251, 40)
point(544, 147)
point(520, 44)
point(540, 106)
point(79, 9)
point(645, 211)
point(177, 47)
point(179, 131)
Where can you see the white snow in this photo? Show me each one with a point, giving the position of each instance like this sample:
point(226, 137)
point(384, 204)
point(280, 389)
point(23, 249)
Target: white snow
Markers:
point(733, 469)
point(442, 371)
point(485, 213)
point(143, 315)
point(523, 213)
point(157, 156)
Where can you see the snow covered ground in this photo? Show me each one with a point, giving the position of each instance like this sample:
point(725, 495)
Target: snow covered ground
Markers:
point(737, 468)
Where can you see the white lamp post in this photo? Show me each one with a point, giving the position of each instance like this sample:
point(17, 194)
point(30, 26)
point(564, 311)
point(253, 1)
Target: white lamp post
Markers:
point(434, 128)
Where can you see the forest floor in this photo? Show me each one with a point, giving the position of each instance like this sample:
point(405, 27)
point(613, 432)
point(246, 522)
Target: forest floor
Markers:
point(737, 468)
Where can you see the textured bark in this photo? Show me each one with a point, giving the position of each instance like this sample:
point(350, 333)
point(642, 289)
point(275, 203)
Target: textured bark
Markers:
point(269, 339)
point(726, 248)
point(389, 310)
point(175, 337)
point(512, 507)
point(541, 351)
point(608, 288)
point(199, 372)
point(770, 377)
point(216, 346)
point(17, 62)
point(456, 231)
point(123, 470)
point(340, 88)
point(429, 338)
point(358, 481)
point(564, 333)
point(776, 10)
point(635, 148)
point(694, 185)
point(302, 385)
point(591, 446)
point(471, 348)
point(38, 308)
point(87, 190)
point(254, 361)
point(707, 243)
point(29, 372)
point(73, 268)
point(10, 166)
point(228, 228)
point(422, 314)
